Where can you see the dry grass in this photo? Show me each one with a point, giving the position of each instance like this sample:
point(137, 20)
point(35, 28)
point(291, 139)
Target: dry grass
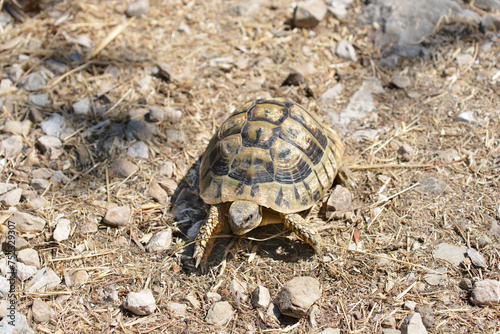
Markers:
point(361, 289)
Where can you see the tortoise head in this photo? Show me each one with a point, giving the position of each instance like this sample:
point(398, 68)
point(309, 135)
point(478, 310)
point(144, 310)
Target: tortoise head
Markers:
point(244, 216)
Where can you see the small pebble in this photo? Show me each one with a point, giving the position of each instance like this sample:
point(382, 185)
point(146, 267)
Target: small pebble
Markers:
point(29, 257)
point(298, 295)
point(466, 117)
point(309, 13)
point(118, 216)
point(195, 303)
point(410, 305)
point(261, 297)
point(20, 324)
point(39, 184)
point(42, 312)
point(11, 147)
point(238, 291)
point(426, 313)
point(161, 241)
point(38, 100)
point(345, 50)
point(176, 309)
point(11, 198)
point(34, 81)
point(173, 115)
point(54, 126)
point(138, 150)
point(164, 71)
point(464, 60)
point(156, 114)
point(62, 230)
point(465, 284)
point(83, 107)
point(27, 223)
point(330, 331)
point(56, 66)
point(450, 253)
point(124, 167)
point(141, 130)
point(4, 287)
point(169, 185)
point(219, 313)
point(401, 81)
point(76, 278)
point(140, 303)
point(413, 325)
point(138, 8)
point(19, 243)
point(405, 152)
point(45, 278)
point(174, 135)
point(17, 127)
point(338, 203)
point(60, 178)
point(158, 193)
point(486, 292)
point(42, 173)
point(436, 278)
point(213, 297)
point(24, 272)
point(390, 331)
point(477, 258)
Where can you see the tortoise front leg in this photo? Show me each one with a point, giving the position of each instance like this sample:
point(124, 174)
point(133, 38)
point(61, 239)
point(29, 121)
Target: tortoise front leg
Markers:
point(294, 222)
point(212, 225)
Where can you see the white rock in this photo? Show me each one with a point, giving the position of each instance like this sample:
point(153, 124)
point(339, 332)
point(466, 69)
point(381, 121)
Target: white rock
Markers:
point(75, 278)
point(465, 59)
point(42, 312)
point(42, 173)
point(477, 258)
point(213, 297)
point(45, 278)
point(39, 184)
point(54, 126)
point(309, 13)
point(11, 198)
point(24, 272)
point(161, 241)
point(140, 303)
point(17, 127)
point(298, 295)
point(410, 305)
point(47, 143)
point(138, 150)
point(195, 303)
point(34, 81)
point(39, 100)
point(330, 331)
point(138, 8)
point(4, 308)
point(4, 287)
point(486, 292)
point(29, 257)
point(238, 291)
point(338, 8)
point(27, 223)
point(176, 309)
point(20, 324)
point(62, 230)
point(11, 147)
point(435, 278)
point(82, 107)
point(219, 313)
point(413, 325)
point(328, 97)
point(466, 117)
point(450, 253)
point(5, 187)
point(261, 297)
point(346, 50)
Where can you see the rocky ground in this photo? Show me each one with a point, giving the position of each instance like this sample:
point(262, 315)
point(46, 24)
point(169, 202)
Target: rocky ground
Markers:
point(107, 106)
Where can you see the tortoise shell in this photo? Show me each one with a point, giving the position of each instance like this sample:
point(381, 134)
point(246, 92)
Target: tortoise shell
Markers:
point(272, 152)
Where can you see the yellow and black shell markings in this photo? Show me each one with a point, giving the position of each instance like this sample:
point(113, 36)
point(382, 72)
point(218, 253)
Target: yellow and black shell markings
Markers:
point(271, 152)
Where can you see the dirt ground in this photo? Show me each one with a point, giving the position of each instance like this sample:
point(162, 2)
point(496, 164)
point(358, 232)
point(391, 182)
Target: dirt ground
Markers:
point(223, 61)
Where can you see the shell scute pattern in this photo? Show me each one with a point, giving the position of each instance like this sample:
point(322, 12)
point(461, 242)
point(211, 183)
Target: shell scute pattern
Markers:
point(271, 152)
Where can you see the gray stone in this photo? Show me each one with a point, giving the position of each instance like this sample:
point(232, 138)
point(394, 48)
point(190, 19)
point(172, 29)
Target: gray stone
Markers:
point(138, 150)
point(156, 114)
point(62, 230)
point(328, 97)
point(467, 117)
point(51, 146)
point(298, 295)
point(193, 230)
point(427, 314)
point(158, 193)
point(42, 312)
point(4, 287)
point(401, 81)
point(4, 21)
point(464, 60)
point(219, 313)
point(174, 135)
point(24, 272)
point(345, 50)
point(338, 203)
point(261, 297)
point(487, 4)
point(486, 292)
point(413, 325)
point(477, 258)
point(27, 223)
point(165, 71)
point(238, 291)
point(140, 303)
point(11, 147)
point(195, 303)
point(83, 107)
point(17, 127)
point(44, 279)
point(309, 13)
point(108, 294)
point(39, 184)
point(29, 257)
point(405, 152)
point(56, 66)
point(409, 305)
point(176, 309)
point(465, 284)
point(34, 81)
point(118, 216)
point(169, 185)
point(213, 297)
point(246, 8)
point(54, 126)
point(18, 320)
point(138, 8)
point(450, 253)
point(60, 178)
point(19, 243)
point(434, 278)
point(141, 130)
point(338, 8)
point(432, 185)
point(161, 241)
point(5, 187)
point(124, 167)
point(42, 173)
point(76, 278)
point(12, 197)
point(39, 100)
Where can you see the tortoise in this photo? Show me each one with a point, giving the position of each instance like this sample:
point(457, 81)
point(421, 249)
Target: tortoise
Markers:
point(271, 155)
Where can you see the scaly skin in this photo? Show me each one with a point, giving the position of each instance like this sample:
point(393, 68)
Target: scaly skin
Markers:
point(294, 222)
point(205, 239)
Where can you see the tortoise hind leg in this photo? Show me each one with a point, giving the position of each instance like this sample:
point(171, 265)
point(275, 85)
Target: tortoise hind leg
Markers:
point(205, 239)
point(296, 223)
